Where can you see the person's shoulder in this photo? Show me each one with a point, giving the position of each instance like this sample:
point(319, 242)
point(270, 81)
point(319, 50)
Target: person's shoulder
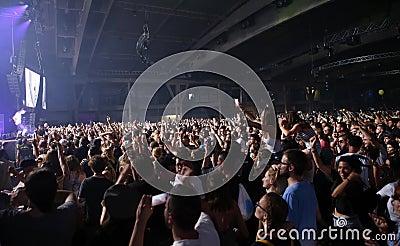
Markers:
point(68, 205)
point(305, 183)
point(391, 185)
point(301, 188)
point(298, 185)
point(262, 243)
point(308, 186)
point(187, 242)
point(204, 219)
point(11, 213)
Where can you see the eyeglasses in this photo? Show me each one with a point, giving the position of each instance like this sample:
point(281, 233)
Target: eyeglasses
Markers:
point(341, 141)
point(285, 163)
point(258, 205)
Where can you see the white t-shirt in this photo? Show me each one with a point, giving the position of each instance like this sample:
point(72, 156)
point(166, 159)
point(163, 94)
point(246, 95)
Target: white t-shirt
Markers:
point(388, 191)
point(194, 181)
point(187, 242)
point(208, 235)
point(242, 143)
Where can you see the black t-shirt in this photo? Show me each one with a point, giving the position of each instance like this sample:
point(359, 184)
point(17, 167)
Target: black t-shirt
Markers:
point(81, 153)
point(92, 190)
point(86, 169)
point(17, 227)
point(115, 233)
point(323, 184)
point(156, 230)
point(350, 201)
point(276, 242)
point(25, 152)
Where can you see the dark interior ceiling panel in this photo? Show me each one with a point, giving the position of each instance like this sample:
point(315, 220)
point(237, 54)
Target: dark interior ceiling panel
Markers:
point(275, 37)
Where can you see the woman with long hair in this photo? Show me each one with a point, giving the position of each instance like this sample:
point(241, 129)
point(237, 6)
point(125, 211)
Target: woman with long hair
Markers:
point(73, 179)
point(299, 129)
point(271, 211)
point(225, 213)
point(295, 127)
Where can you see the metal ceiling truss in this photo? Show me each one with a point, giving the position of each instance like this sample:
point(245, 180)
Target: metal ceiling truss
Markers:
point(343, 36)
point(111, 73)
point(303, 57)
point(359, 59)
point(151, 9)
point(385, 73)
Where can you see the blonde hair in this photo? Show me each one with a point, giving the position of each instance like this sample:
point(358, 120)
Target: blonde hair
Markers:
point(273, 172)
point(157, 152)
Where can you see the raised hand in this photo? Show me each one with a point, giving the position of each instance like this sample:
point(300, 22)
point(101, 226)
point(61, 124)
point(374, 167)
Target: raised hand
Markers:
point(313, 141)
point(144, 210)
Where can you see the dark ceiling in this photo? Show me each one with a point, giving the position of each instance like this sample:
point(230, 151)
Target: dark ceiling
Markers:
point(280, 39)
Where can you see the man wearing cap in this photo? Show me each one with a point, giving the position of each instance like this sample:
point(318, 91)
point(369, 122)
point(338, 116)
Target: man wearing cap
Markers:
point(26, 167)
point(24, 151)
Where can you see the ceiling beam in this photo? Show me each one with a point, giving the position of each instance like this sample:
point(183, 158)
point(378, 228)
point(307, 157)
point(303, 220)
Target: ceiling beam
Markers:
point(55, 27)
point(81, 30)
point(237, 16)
point(174, 11)
point(106, 14)
point(264, 20)
point(167, 18)
point(135, 35)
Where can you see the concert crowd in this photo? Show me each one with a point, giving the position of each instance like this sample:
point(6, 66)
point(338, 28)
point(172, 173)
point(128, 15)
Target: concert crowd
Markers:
point(92, 184)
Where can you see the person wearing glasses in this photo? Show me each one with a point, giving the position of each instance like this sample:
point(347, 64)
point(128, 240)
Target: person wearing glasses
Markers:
point(271, 211)
point(342, 144)
point(300, 194)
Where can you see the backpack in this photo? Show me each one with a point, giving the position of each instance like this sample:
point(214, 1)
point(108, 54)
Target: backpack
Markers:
point(25, 152)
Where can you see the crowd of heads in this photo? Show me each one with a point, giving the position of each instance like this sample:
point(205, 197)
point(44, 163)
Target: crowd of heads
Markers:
point(345, 146)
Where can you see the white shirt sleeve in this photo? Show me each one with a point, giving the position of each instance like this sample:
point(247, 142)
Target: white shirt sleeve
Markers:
point(387, 190)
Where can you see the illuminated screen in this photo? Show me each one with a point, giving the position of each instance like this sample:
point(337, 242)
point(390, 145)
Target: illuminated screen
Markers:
point(32, 84)
point(44, 104)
